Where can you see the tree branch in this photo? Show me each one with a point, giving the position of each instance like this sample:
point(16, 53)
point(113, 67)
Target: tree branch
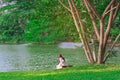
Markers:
point(116, 12)
point(110, 10)
point(93, 20)
point(93, 9)
point(83, 32)
point(107, 8)
point(64, 5)
point(109, 25)
point(108, 53)
point(108, 29)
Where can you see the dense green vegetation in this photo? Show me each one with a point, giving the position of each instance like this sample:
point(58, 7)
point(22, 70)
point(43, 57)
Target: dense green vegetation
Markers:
point(42, 21)
point(87, 72)
point(36, 21)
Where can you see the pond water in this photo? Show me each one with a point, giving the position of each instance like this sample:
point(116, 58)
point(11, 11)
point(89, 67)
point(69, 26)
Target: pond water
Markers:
point(19, 57)
point(22, 57)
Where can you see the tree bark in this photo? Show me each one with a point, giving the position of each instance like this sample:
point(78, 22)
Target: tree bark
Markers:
point(80, 29)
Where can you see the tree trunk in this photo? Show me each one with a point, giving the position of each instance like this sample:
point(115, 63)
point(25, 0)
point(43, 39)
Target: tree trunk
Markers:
point(101, 32)
point(80, 28)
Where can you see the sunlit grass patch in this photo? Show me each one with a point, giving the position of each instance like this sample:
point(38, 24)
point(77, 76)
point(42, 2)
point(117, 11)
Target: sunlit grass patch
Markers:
point(86, 72)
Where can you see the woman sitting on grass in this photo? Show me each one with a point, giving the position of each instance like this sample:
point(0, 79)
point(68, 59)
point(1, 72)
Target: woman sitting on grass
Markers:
point(61, 60)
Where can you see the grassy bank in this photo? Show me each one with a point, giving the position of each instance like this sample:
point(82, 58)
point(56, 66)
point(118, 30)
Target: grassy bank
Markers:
point(86, 72)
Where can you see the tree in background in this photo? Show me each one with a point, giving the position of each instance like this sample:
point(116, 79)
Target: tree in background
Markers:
point(35, 21)
point(102, 23)
point(13, 20)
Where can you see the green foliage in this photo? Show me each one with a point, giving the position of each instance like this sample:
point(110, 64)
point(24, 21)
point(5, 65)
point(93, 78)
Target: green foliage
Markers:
point(13, 21)
point(43, 21)
point(37, 31)
point(100, 5)
point(12, 26)
point(36, 21)
point(114, 32)
point(66, 30)
point(116, 28)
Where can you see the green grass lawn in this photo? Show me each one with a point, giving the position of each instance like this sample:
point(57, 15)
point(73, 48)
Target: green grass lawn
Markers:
point(86, 72)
